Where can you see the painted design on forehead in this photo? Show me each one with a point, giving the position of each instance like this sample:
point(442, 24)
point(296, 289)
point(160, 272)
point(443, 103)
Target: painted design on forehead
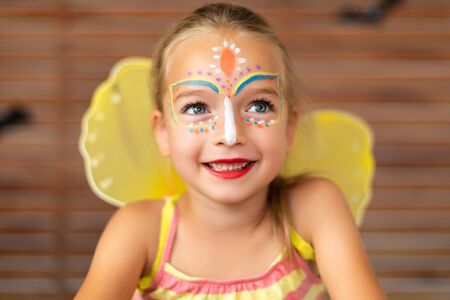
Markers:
point(226, 63)
point(227, 59)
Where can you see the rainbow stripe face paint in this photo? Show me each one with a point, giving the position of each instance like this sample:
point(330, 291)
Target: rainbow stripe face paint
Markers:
point(226, 86)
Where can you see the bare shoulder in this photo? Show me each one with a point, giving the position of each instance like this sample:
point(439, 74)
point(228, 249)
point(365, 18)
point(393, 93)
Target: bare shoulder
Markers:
point(139, 221)
point(140, 216)
point(310, 201)
point(322, 215)
point(124, 252)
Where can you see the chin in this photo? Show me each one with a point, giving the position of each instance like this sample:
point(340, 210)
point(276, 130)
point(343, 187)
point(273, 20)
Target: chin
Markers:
point(230, 197)
point(231, 193)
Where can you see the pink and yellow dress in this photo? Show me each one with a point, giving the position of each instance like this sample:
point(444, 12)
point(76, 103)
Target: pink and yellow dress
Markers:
point(123, 164)
point(283, 279)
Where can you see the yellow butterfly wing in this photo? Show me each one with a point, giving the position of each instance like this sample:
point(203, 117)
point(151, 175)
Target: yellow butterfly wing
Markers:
point(336, 145)
point(122, 159)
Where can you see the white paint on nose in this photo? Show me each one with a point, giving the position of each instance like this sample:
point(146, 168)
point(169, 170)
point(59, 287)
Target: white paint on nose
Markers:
point(230, 127)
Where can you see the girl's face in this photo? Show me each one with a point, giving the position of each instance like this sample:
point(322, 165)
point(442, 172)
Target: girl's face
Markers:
point(225, 119)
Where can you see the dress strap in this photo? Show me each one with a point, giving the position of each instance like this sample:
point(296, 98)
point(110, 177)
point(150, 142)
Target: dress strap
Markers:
point(303, 247)
point(169, 220)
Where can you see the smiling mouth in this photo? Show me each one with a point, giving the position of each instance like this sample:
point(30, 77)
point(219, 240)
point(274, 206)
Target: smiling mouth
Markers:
point(229, 169)
point(226, 167)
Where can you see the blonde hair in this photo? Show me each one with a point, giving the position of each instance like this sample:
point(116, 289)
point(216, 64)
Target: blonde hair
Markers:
point(213, 17)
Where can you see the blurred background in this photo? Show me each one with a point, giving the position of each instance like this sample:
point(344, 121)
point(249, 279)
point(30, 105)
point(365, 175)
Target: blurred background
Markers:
point(387, 61)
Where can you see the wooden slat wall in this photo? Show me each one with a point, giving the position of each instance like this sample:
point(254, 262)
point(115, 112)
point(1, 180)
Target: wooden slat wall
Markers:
point(396, 75)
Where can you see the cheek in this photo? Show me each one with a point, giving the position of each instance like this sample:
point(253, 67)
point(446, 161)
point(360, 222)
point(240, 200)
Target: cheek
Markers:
point(273, 142)
point(185, 147)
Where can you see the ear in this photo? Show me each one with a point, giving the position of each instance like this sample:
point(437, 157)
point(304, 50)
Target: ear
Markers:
point(161, 132)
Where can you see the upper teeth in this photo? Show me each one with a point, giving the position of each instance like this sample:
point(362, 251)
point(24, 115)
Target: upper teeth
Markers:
point(227, 167)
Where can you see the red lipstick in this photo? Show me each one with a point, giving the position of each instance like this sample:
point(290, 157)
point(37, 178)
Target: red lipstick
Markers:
point(230, 160)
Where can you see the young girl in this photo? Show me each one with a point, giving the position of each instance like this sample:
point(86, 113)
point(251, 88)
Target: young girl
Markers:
point(227, 108)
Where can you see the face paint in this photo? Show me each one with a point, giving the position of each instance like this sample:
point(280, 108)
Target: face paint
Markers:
point(230, 127)
point(258, 123)
point(228, 59)
point(204, 127)
point(225, 79)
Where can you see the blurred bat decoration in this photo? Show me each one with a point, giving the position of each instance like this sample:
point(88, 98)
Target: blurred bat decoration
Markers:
point(15, 115)
point(371, 14)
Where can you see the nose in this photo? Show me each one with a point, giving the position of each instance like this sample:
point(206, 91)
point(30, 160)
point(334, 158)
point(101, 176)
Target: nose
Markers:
point(229, 130)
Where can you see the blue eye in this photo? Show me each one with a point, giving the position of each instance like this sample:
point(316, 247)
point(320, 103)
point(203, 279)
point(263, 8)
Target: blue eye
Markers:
point(261, 106)
point(196, 108)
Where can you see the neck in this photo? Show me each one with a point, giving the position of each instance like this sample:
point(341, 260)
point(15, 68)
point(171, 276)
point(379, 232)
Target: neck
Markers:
point(213, 217)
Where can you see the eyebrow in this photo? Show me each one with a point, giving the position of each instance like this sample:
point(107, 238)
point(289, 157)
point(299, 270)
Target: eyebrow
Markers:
point(270, 91)
point(252, 78)
point(189, 93)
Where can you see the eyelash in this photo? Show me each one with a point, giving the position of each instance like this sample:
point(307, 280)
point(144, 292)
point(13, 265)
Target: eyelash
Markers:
point(192, 104)
point(265, 101)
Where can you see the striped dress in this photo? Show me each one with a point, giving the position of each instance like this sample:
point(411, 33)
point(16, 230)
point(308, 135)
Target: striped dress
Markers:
point(283, 279)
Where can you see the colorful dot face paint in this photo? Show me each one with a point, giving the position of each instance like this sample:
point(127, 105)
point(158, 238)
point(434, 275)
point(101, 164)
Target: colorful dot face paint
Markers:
point(205, 96)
